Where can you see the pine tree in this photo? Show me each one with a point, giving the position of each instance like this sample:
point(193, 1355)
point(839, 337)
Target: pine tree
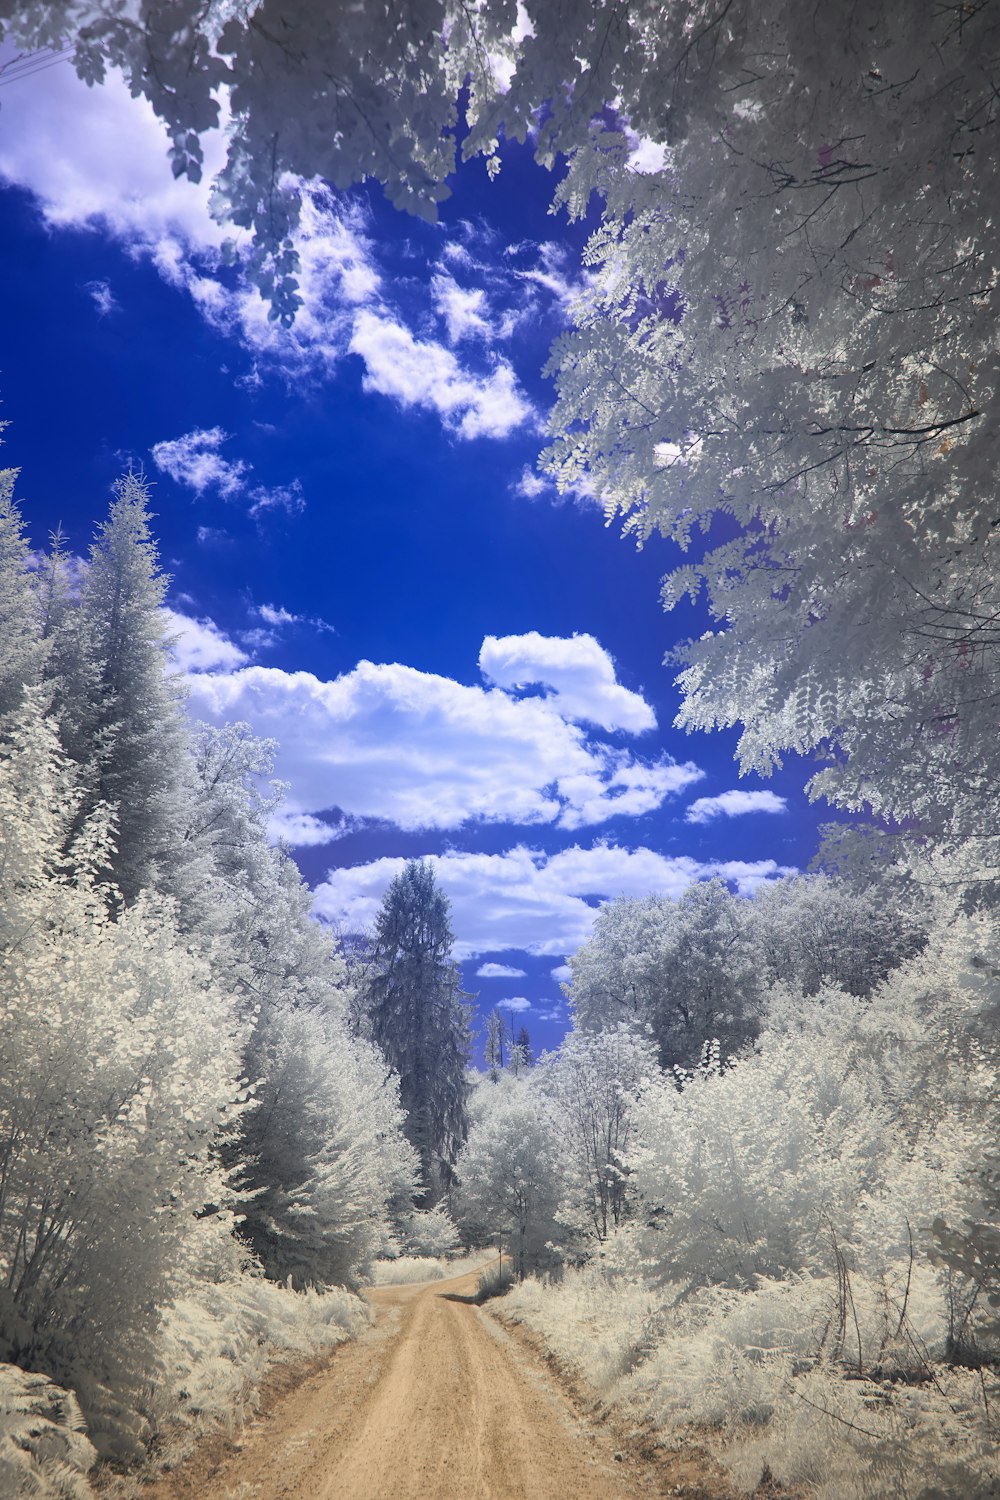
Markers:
point(420, 1020)
point(496, 1040)
point(521, 1055)
point(21, 647)
point(120, 709)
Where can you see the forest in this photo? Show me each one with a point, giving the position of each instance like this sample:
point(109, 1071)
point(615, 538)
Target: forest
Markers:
point(753, 1197)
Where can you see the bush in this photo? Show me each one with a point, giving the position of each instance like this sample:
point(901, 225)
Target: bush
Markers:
point(494, 1282)
point(408, 1269)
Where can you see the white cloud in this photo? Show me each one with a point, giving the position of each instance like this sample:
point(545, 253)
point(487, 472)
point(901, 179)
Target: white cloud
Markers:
point(562, 973)
point(516, 1003)
point(276, 617)
point(287, 497)
point(733, 805)
point(97, 159)
point(102, 296)
point(551, 272)
point(530, 486)
point(579, 671)
point(302, 830)
point(200, 646)
point(526, 900)
point(499, 971)
point(462, 309)
point(423, 751)
point(194, 461)
point(427, 375)
point(273, 614)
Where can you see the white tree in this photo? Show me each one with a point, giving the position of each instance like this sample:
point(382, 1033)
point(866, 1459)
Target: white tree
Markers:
point(592, 1083)
point(327, 1160)
point(119, 1069)
point(21, 646)
point(683, 971)
point(791, 326)
point(119, 703)
point(510, 1170)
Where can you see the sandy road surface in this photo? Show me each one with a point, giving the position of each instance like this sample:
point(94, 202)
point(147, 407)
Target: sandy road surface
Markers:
point(435, 1402)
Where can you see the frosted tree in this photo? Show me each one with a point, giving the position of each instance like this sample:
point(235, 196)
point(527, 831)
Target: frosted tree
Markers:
point(327, 1161)
point(119, 1069)
point(419, 1020)
point(683, 970)
point(592, 1083)
point(791, 326)
point(811, 931)
point(497, 1040)
point(510, 1173)
point(321, 1155)
point(521, 1055)
point(119, 706)
point(21, 648)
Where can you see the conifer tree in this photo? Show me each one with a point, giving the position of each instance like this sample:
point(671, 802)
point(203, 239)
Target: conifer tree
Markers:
point(420, 1020)
point(496, 1041)
point(21, 648)
point(120, 709)
point(521, 1055)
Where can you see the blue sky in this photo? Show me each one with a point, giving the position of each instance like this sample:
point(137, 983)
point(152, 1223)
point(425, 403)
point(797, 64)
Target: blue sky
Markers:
point(456, 663)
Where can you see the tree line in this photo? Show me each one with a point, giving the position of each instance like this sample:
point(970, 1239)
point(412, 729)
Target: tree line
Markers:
point(196, 1103)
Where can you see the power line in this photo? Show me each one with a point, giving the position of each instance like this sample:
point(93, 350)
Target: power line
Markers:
point(30, 63)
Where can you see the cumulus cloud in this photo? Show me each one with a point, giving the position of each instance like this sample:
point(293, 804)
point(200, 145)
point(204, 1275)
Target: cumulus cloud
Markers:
point(527, 900)
point(200, 646)
point(562, 973)
point(418, 750)
point(516, 1003)
point(733, 805)
point(425, 374)
point(194, 461)
point(577, 669)
point(499, 971)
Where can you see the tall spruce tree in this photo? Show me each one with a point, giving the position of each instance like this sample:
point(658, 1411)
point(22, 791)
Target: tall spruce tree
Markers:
point(21, 647)
point(420, 1020)
point(120, 706)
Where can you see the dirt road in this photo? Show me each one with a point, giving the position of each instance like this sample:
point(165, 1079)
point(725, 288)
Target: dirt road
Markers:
point(435, 1402)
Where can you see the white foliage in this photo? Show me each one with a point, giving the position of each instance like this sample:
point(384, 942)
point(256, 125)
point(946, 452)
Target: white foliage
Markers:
point(591, 1085)
point(509, 1170)
point(44, 1454)
point(119, 1065)
point(407, 1270)
point(774, 1294)
point(430, 1232)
